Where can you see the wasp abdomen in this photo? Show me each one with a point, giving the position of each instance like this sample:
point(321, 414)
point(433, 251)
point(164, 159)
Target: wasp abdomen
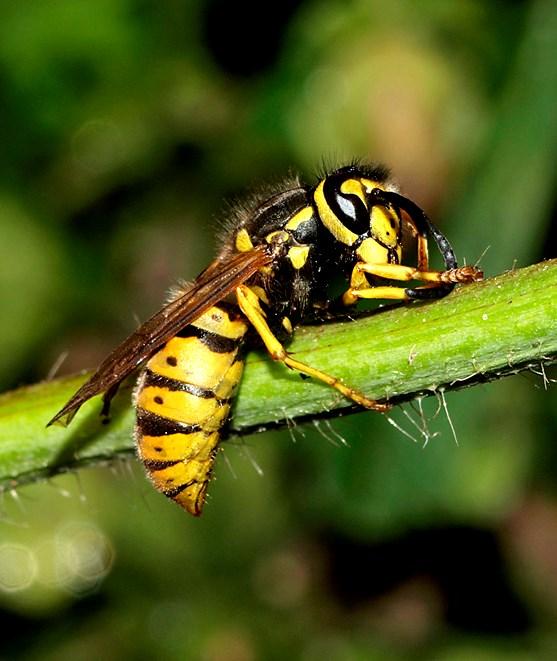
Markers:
point(183, 400)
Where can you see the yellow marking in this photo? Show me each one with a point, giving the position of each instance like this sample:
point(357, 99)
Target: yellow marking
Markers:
point(260, 293)
point(330, 220)
point(384, 226)
point(298, 256)
point(287, 325)
point(175, 447)
point(217, 321)
point(208, 412)
point(372, 252)
point(243, 241)
point(196, 363)
point(303, 216)
point(277, 352)
point(278, 235)
point(353, 187)
point(370, 184)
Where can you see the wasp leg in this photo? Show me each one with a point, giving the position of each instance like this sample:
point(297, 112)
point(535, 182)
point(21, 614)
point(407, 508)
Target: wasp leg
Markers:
point(439, 283)
point(249, 304)
point(423, 253)
point(107, 399)
point(463, 274)
point(422, 225)
point(351, 296)
point(422, 244)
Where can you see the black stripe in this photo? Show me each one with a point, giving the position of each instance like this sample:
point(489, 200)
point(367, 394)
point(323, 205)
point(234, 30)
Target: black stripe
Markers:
point(231, 310)
point(151, 424)
point(160, 381)
point(213, 341)
point(176, 491)
point(154, 465)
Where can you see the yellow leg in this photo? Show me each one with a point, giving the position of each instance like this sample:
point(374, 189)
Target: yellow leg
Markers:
point(249, 304)
point(423, 256)
point(463, 274)
point(393, 293)
point(359, 289)
point(399, 272)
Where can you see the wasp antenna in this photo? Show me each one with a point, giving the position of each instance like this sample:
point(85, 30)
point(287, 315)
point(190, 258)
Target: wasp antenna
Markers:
point(423, 224)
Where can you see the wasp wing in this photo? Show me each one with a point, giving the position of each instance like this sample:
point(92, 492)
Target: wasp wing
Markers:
point(218, 280)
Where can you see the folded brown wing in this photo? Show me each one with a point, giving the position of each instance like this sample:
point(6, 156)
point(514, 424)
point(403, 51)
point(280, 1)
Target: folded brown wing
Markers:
point(214, 284)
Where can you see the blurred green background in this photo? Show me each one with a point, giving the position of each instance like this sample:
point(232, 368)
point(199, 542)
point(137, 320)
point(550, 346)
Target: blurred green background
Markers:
point(123, 126)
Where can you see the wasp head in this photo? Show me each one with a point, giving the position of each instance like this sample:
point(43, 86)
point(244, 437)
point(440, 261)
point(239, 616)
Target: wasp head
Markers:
point(350, 206)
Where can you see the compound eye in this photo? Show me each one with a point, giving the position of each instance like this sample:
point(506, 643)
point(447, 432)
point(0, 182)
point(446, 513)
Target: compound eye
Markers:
point(353, 213)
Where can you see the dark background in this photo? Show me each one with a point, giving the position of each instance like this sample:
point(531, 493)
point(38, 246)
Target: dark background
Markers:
point(123, 126)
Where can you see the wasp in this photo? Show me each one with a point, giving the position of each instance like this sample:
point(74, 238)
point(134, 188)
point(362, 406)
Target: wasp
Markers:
point(283, 250)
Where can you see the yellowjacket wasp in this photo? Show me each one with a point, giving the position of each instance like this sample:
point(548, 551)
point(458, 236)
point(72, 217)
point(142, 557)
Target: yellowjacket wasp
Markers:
point(284, 248)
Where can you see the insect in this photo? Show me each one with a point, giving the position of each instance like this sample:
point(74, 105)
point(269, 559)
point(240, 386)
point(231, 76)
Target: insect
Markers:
point(282, 251)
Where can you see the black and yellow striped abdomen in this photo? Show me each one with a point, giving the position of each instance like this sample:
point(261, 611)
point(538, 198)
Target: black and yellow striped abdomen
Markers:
point(183, 400)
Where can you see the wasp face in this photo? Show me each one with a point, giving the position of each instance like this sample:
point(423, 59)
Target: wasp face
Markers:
point(349, 206)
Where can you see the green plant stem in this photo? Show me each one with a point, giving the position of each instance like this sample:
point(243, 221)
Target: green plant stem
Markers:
point(479, 332)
